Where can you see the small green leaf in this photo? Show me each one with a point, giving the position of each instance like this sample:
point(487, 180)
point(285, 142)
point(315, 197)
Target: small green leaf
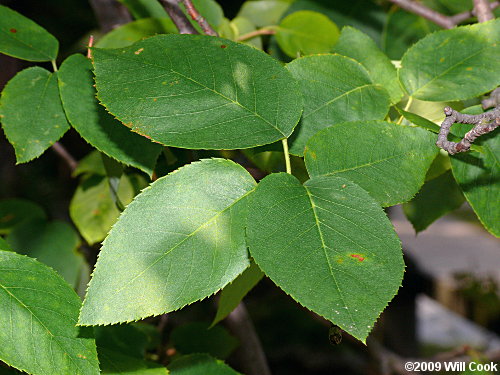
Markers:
point(96, 126)
point(246, 99)
point(387, 160)
point(232, 294)
point(132, 32)
point(92, 208)
point(329, 245)
point(179, 241)
point(478, 175)
point(436, 198)
point(359, 46)
point(364, 15)
point(264, 12)
point(215, 341)
point(335, 89)
point(145, 8)
point(16, 211)
point(200, 364)
point(453, 64)
point(32, 114)
point(305, 33)
point(52, 243)
point(91, 164)
point(24, 39)
point(38, 312)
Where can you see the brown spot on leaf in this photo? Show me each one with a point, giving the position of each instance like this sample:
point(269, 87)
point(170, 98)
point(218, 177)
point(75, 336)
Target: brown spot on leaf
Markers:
point(357, 256)
point(344, 186)
point(13, 30)
point(154, 100)
point(139, 51)
point(223, 46)
point(81, 356)
point(96, 212)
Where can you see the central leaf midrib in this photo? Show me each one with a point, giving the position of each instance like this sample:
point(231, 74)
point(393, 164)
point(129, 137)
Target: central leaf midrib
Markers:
point(323, 246)
point(375, 162)
point(206, 87)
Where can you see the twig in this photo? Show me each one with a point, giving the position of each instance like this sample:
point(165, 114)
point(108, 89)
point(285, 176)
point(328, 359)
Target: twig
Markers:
point(484, 123)
point(178, 17)
point(253, 34)
point(196, 16)
point(250, 352)
point(110, 14)
point(493, 100)
point(483, 10)
point(89, 46)
point(426, 12)
point(461, 17)
point(60, 150)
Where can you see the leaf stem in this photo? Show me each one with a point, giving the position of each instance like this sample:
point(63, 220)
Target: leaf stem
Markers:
point(54, 65)
point(407, 107)
point(287, 156)
point(270, 30)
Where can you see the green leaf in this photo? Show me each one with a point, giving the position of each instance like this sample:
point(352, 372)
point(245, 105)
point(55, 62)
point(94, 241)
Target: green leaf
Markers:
point(96, 126)
point(91, 164)
point(359, 46)
point(145, 8)
point(403, 29)
point(327, 244)
point(123, 338)
point(305, 33)
point(387, 160)
point(229, 96)
point(453, 64)
point(24, 39)
point(32, 114)
point(92, 208)
point(114, 362)
point(335, 89)
point(38, 312)
point(364, 15)
point(436, 198)
point(234, 293)
point(52, 243)
point(478, 175)
point(215, 341)
point(200, 364)
point(16, 211)
point(180, 240)
point(132, 32)
point(264, 12)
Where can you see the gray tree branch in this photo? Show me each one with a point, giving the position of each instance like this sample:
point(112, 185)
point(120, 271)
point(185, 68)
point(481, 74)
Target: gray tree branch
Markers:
point(250, 353)
point(178, 17)
point(483, 10)
point(483, 124)
point(196, 16)
point(61, 151)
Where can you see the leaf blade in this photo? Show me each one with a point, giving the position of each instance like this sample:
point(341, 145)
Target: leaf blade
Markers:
point(318, 236)
point(204, 223)
point(24, 39)
point(32, 114)
point(249, 99)
point(44, 336)
point(387, 160)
